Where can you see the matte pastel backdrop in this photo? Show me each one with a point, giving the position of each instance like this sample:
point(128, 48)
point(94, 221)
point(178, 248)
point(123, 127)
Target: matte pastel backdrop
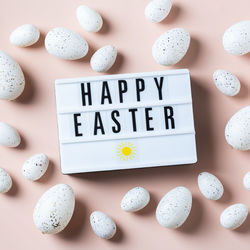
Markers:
point(34, 115)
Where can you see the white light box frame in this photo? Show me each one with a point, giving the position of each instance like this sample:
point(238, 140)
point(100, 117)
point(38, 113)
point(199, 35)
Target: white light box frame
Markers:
point(125, 121)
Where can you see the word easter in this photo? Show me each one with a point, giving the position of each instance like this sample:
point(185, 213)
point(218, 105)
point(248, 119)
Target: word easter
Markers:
point(125, 121)
point(106, 98)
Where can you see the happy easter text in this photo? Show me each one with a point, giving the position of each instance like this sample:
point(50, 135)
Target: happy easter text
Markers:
point(106, 98)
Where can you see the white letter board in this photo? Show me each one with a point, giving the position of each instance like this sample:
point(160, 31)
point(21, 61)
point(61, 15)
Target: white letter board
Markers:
point(125, 121)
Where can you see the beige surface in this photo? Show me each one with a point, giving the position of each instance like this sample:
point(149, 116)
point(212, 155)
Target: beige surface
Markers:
point(33, 114)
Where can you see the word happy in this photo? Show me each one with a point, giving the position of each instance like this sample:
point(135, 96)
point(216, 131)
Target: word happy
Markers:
point(89, 98)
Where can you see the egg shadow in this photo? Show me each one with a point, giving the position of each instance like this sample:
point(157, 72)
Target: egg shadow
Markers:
point(245, 227)
point(119, 236)
point(227, 195)
point(149, 209)
point(29, 92)
point(48, 174)
point(74, 229)
point(192, 54)
point(105, 26)
point(23, 143)
point(173, 15)
point(14, 189)
point(194, 220)
point(39, 43)
point(117, 65)
point(243, 91)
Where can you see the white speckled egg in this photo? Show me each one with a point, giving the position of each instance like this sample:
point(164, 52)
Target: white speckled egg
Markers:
point(25, 35)
point(210, 186)
point(88, 18)
point(226, 82)
point(103, 59)
point(246, 181)
point(135, 199)
point(102, 225)
point(54, 210)
point(5, 181)
point(236, 39)
point(174, 208)
point(12, 80)
point(171, 46)
point(9, 137)
point(35, 167)
point(66, 44)
point(237, 131)
point(157, 10)
point(233, 216)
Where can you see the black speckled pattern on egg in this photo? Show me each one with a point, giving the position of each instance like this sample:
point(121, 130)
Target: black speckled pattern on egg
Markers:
point(54, 210)
point(157, 10)
point(237, 131)
point(102, 225)
point(11, 78)
point(171, 46)
point(210, 186)
point(236, 39)
point(233, 216)
point(5, 181)
point(65, 44)
point(226, 82)
point(9, 137)
point(174, 208)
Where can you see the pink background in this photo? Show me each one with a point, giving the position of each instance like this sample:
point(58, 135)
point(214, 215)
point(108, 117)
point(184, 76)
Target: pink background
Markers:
point(34, 115)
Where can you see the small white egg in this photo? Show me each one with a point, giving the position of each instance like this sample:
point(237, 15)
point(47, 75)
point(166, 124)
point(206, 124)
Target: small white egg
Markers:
point(102, 225)
point(174, 208)
point(157, 10)
point(171, 46)
point(5, 181)
point(35, 167)
point(246, 181)
point(66, 44)
point(236, 39)
point(54, 209)
point(226, 82)
point(210, 186)
point(103, 59)
point(9, 137)
point(89, 19)
point(135, 199)
point(25, 35)
point(234, 216)
point(237, 131)
point(12, 80)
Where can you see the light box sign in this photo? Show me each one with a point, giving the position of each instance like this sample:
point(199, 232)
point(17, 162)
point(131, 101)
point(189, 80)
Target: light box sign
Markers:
point(125, 121)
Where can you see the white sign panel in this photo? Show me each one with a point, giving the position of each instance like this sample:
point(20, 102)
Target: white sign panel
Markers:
point(125, 121)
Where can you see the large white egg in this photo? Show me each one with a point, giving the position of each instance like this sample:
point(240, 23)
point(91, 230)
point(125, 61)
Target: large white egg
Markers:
point(234, 216)
point(210, 186)
point(103, 59)
point(135, 199)
point(237, 131)
point(171, 46)
point(157, 10)
point(102, 225)
point(236, 39)
point(9, 136)
point(35, 167)
point(54, 209)
point(88, 18)
point(25, 35)
point(66, 44)
point(12, 80)
point(174, 208)
point(226, 82)
point(5, 181)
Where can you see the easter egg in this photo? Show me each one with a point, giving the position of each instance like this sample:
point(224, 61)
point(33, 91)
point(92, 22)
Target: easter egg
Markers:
point(65, 44)
point(5, 181)
point(54, 209)
point(171, 46)
point(9, 136)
